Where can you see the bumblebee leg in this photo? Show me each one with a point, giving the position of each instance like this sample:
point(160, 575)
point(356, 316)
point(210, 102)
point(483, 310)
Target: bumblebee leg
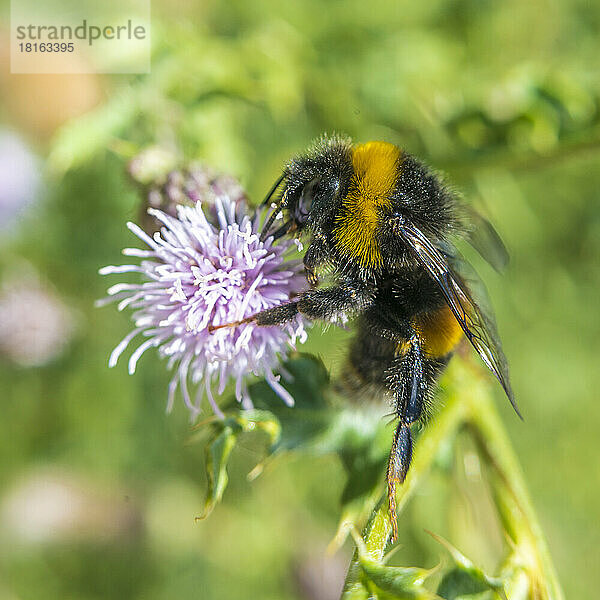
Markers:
point(277, 315)
point(409, 393)
point(315, 255)
point(400, 457)
point(335, 303)
point(329, 304)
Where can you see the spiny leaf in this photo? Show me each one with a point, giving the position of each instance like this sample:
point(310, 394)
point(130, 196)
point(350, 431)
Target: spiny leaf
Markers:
point(457, 585)
point(392, 582)
point(466, 578)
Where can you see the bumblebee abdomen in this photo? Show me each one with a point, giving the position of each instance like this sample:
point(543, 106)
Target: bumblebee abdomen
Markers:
point(439, 331)
point(376, 168)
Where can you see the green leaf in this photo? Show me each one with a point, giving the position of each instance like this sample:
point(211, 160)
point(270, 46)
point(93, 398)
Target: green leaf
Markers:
point(312, 414)
point(218, 449)
point(466, 578)
point(398, 582)
point(217, 455)
point(260, 420)
point(392, 582)
point(360, 437)
point(457, 584)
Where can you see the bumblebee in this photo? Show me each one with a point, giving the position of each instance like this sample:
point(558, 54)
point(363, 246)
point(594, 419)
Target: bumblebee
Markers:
point(381, 223)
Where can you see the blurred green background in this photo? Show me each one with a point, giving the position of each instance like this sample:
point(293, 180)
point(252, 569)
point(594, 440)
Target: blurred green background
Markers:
point(98, 488)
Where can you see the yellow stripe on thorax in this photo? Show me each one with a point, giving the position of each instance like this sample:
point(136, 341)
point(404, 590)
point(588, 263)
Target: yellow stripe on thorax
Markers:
point(375, 167)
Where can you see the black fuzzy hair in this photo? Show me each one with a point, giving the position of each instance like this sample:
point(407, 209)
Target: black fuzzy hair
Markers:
point(430, 204)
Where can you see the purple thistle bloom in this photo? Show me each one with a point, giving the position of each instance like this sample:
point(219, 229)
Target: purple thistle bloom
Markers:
point(199, 274)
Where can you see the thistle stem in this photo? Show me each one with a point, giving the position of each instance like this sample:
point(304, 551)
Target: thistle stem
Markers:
point(512, 498)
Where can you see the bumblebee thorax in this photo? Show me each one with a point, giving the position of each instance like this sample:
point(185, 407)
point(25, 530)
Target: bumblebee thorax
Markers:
point(376, 167)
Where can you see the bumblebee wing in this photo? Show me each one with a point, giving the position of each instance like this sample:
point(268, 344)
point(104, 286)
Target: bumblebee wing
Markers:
point(485, 239)
point(475, 317)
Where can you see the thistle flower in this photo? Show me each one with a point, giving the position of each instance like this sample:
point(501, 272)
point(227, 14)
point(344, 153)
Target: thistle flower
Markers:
point(165, 188)
point(199, 273)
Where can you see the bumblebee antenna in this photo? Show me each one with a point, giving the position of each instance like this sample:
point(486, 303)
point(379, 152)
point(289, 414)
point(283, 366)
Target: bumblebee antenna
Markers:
point(272, 217)
point(287, 226)
point(272, 190)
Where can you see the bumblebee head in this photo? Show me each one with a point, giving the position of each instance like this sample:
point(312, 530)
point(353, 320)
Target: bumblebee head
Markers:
point(314, 184)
